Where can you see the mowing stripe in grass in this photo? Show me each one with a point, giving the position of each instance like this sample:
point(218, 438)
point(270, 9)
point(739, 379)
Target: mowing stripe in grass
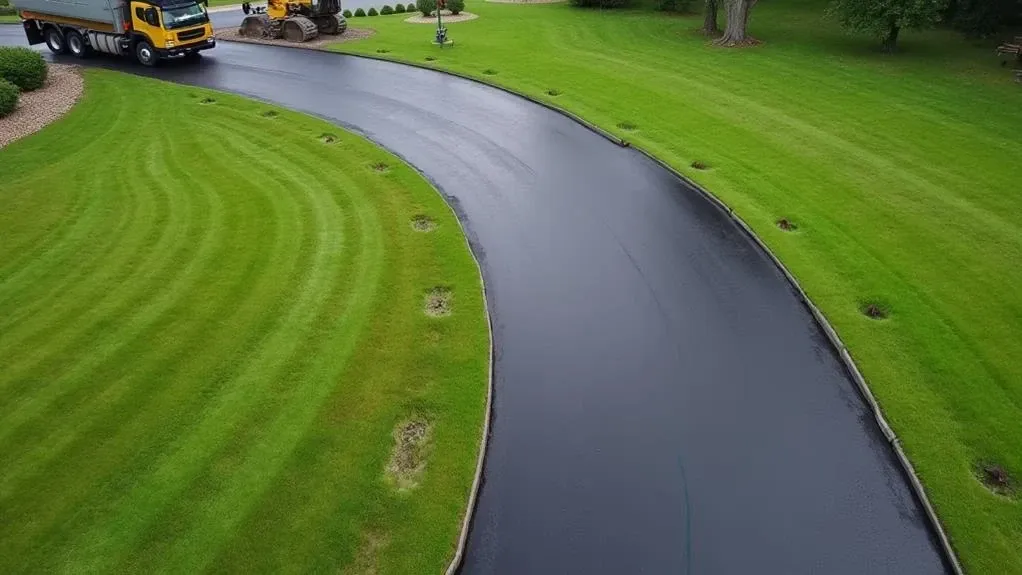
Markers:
point(207, 344)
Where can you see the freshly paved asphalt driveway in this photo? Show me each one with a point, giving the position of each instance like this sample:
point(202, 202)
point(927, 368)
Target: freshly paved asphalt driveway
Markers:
point(664, 403)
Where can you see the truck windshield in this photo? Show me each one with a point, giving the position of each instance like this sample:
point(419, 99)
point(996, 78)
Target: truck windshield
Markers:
point(181, 16)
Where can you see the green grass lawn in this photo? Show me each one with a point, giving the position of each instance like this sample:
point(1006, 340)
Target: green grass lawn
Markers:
point(9, 18)
point(902, 173)
point(211, 324)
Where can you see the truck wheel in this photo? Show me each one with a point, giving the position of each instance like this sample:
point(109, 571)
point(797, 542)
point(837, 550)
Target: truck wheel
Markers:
point(76, 44)
point(55, 40)
point(144, 53)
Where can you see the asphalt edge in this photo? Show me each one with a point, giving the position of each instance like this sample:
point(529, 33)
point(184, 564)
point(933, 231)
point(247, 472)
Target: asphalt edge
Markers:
point(473, 496)
point(839, 346)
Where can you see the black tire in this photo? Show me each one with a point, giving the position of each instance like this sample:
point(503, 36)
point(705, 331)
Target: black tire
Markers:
point(76, 44)
point(144, 52)
point(55, 40)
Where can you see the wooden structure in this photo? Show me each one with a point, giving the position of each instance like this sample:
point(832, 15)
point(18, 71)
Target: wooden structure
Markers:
point(1013, 49)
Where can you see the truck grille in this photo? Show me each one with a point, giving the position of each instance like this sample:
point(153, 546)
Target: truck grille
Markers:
point(191, 34)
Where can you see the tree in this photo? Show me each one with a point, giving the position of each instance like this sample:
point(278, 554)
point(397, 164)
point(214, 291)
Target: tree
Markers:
point(885, 19)
point(710, 19)
point(979, 18)
point(736, 33)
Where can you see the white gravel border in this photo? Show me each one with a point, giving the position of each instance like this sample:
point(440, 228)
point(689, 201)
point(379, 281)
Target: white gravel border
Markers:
point(447, 18)
point(38, 108)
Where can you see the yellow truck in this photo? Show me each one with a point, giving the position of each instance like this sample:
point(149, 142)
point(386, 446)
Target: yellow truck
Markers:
point(149, 30)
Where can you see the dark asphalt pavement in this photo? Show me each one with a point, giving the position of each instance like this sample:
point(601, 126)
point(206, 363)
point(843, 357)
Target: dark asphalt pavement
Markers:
point(664, 403)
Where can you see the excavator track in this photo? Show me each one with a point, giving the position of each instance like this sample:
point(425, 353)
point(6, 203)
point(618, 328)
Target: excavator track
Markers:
point(256, 26)
point(299, 29)
point(332, 24)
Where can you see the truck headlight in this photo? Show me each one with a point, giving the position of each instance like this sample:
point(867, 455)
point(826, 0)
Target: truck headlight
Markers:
point(170, 43)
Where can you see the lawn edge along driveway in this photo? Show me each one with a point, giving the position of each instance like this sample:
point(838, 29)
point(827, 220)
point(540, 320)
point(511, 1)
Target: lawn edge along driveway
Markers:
point(243, 338)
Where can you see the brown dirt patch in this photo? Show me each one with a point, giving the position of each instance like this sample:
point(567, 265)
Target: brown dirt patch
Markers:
point(433, 337)
point(996, 479)
point(38, 108)
point(327, 138)
point(874, 310)
point(627, 126)
point(700, 165)
point(438, 302)
point(408, 459)
point(380, 167)
point(423, 223)
point(318, 43)
point(367, 557)
point(448, 18)
point(787, 225)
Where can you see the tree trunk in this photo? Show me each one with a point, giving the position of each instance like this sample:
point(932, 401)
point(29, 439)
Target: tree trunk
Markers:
point(736, 33)
point(710, 27)
point(891, 40)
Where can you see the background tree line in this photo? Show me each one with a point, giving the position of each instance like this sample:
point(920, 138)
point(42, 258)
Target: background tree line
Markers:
point(884, 19)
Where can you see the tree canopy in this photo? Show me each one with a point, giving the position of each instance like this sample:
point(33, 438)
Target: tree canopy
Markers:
point(885, 19)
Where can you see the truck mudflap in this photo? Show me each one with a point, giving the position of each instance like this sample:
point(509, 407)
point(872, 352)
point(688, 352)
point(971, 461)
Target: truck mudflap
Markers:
point(33, 33)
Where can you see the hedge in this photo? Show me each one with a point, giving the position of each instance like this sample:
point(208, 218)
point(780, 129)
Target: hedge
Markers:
point(22, 67)
point(8, 97)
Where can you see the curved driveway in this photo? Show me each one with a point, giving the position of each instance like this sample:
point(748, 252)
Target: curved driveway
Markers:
point(664, 403)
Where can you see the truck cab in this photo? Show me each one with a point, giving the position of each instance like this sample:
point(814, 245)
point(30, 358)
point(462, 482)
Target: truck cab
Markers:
point(170, 28)
point(149, 30)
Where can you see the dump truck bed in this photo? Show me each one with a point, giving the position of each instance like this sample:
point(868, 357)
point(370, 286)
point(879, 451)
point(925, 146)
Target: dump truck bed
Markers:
point(105, 11)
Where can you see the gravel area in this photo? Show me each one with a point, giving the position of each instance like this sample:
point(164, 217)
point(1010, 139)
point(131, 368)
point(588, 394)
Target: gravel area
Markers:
point(39, 107)
point(447, 17)
point(318, 43)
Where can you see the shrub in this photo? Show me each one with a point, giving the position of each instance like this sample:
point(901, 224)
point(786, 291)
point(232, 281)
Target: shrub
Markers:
point(399, 9)
point(346, 13)
point(410, 7)
point(372, 12)
point(360, 13)
point(8, 97)
point(601, 3)
point(426, 6)
point(683, 6)
point(8, 10)
point(455, 6)
point(22, 67)
point(386, 10)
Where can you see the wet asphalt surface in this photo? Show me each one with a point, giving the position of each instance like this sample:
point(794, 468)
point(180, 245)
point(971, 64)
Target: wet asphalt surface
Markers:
point(663, 401)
